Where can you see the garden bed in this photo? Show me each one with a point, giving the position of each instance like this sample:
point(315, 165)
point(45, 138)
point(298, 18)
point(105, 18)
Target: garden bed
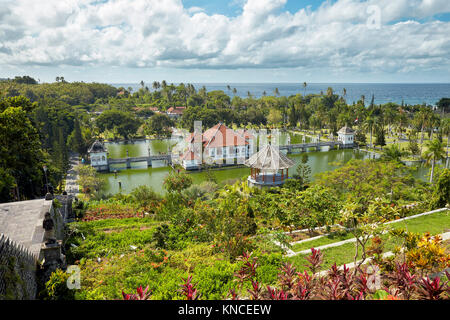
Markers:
point(436, 223)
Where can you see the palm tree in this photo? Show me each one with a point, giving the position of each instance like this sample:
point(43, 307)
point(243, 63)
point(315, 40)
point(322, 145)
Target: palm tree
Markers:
point(389, 116)
point(276, 92)
point(369, 124)
point(304, 87)
point(445, 127)
point(234, 91)
point(424, 117)
point(142, 84)
point(329, 91)
point(156, 85)
point(344, 92)
point(435, 152)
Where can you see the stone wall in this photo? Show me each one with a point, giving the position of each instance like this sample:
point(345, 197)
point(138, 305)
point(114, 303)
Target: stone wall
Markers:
point(17, 271)
point(27, 261)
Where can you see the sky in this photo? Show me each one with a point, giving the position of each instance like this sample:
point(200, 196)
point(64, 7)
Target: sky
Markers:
point(219, 41)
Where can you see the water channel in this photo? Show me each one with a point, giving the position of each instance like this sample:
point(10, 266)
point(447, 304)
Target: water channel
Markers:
point(154, 176)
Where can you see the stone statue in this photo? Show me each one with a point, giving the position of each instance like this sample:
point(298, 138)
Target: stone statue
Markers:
point(48, 225)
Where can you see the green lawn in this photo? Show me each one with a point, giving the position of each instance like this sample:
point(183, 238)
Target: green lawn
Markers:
point(433, 221)
point(110, 236)
point(435, 224)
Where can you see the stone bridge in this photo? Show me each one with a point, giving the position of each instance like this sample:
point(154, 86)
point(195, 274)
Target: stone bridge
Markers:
point(318, 146)
point(148, 159)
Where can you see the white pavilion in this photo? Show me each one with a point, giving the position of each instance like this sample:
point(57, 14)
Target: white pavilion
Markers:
point(267, 167)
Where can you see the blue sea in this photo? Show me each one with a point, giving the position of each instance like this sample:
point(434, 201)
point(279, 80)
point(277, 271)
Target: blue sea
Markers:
point(411, 93)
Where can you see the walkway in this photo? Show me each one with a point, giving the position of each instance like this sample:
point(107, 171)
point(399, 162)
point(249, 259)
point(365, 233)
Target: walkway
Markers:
point(22, 222)
point(72, 187)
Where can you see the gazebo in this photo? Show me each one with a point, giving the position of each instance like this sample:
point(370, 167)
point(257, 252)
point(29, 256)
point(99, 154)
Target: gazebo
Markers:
point(265, 167)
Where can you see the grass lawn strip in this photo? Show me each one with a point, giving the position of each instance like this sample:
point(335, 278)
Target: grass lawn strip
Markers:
point(435, 224)
point(301, 247)
point(444, 236)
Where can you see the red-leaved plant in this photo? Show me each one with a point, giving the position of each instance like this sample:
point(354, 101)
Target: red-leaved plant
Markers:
point(188, 289)
point(139, 295)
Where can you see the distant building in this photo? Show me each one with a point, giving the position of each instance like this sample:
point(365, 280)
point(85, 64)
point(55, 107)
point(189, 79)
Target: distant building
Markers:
point(346, 135)
point(98, 156)
point(219, 145)
point(176, 112)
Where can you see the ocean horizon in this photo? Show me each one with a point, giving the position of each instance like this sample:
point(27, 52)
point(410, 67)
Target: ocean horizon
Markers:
point(408, 93)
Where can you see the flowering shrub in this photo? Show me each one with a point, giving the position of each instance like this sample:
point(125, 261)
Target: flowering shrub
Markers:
point(176, 182)
point(428, 254)
point(337, 284)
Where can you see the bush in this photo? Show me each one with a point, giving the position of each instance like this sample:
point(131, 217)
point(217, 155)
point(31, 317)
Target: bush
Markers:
point(56, 287)
point(441, 193)
point(145, 197)
point(176, 182)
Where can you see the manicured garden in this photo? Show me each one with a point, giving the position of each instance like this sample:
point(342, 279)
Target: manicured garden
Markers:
point(195, 241)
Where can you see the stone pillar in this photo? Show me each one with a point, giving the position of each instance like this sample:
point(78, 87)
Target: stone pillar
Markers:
point(51, 248)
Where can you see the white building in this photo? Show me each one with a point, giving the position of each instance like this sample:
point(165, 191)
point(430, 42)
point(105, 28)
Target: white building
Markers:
point(218, 145)
point(346, 135)
point(98, 156)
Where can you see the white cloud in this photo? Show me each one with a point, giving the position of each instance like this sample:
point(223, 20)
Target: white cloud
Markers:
point(148, 33)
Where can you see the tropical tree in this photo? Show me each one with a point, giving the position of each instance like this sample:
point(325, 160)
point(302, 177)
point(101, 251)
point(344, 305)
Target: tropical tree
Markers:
point(159, 124)
point(393, 153)
point(445, 127)
point(275, 117)
point(156, 85)
point(441, 193)
point(369, 125)
point(435, 152)
point(423, 117)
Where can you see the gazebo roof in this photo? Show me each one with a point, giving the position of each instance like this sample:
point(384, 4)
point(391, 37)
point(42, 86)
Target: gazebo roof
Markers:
point(97, 146)
point(269, 158)
point(346, 130)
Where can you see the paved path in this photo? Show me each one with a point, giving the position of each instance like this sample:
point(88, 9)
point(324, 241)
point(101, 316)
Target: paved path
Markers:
point(22, 222)
point(72, 187)
point(291, 253)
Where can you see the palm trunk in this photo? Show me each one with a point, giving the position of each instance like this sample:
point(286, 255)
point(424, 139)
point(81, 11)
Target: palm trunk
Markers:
point(446, 163)
point(432, 171)
point(421, 139)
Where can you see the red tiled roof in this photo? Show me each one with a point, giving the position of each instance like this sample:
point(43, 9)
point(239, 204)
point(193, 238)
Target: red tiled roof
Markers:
point(176, 110)
point(220, 136)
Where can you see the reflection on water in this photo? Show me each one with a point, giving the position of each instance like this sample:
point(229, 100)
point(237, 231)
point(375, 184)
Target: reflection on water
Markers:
point(154, 176)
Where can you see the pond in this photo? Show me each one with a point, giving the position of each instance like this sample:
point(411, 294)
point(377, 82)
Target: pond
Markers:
point(154, 176)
